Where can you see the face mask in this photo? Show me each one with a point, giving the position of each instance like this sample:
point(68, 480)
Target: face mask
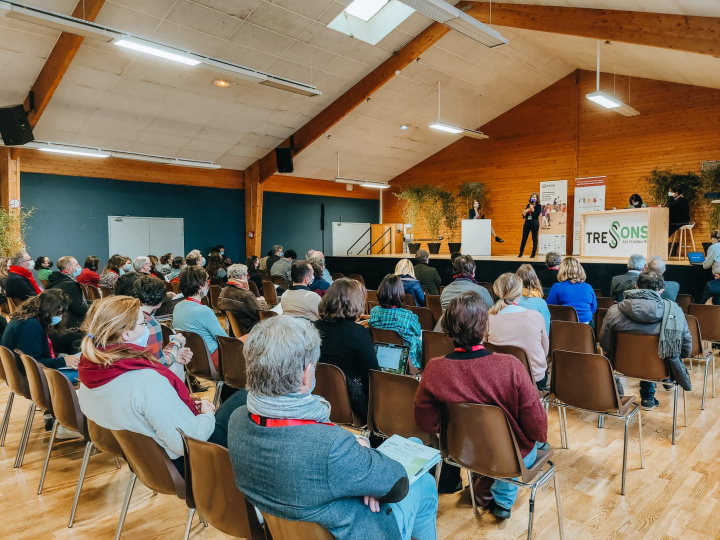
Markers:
point(221, 273)
point(77, 271)
point(55, 320)
point(476, 205)
point(222, 253)
point(281, 254)
point(122, 271)
point(203, 261)
point(143, 339)
point(670, 193)
point(50, 264)
point(127, 267)
point(533, 200)
point(32, 265)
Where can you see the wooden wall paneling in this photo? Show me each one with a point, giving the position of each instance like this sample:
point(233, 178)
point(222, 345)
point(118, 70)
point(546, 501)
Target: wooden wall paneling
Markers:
point(310, 186)
point(9, 182)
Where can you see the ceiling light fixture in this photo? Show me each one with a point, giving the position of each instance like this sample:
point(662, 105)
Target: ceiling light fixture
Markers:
point(452, 17)
point(365, 9)
point(221, 83)
point(606, 100)
point(73, 151)
point(455, 130)
point(356, 181)
point(81, 27)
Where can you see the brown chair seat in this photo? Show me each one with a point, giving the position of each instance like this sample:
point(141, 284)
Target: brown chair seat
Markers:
point(40, 398)
point(425, 316)
point(269, 293)
point(563, 313)
point(106, 291)
point(266, 314)
point(357, 277)
point(336, 275)
point(283, 529)
point(213, 296)
point(391, 406)
point(605, 302)
point(253, 288)
point(371, 296)
point(432, 301)
point(279, 281)
point(16, 381)
point(201, 364)
point(435, 345)
point(332, 385)
point(409, 301)
point(380, 335)
point(232, 360)
point(571, 336)
point(684, 301)
point(237, 328)
point(701, 354)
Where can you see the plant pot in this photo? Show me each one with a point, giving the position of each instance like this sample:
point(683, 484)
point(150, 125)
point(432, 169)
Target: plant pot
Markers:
point(413, 247)
point(434, 248)
point(455, 247)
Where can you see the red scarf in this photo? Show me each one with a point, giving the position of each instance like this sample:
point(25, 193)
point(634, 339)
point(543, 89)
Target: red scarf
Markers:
point(27, 274)
point(464, 276)
point(94, 375)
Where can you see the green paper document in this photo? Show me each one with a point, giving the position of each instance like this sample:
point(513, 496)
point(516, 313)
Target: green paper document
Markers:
point(416, 458)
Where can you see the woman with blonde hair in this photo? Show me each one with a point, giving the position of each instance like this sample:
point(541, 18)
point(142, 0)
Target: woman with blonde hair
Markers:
point(571, 290)
point(124, 387)
point(411, 285)
point(511, 324)
point(532, 295)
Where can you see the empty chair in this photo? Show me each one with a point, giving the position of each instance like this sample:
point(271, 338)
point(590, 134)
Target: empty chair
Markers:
point(391, 406)
point(636, 356)
point(18, 384)
point(432, 301)
point(357, 277)
point(599, 320)
point(562, 313)
point(279, 281)
point(371, 295)
point(586, 382)
point(232, 361)
point(266, 314)
point(201, 364)
point(150, 463)
point(701, 354)
point(409, 301)
point(238, 329)
point(210, 485)
point(40, 396)
point(381, 335)
point(684, 301)
point(283, 529)
point(571, 336)
point(479, 438)
point(269, 293)
point(331, 384)
point(425, 316)
point(605, 302)
point(434, 345)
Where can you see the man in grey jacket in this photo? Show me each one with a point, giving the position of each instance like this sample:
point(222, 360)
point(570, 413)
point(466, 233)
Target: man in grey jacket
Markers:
point(464, 281)
point(643, 311)
point(619, 284)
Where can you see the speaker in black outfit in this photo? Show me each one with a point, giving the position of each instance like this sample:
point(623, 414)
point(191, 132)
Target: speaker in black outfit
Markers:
point(15, 129)
point(284, 160)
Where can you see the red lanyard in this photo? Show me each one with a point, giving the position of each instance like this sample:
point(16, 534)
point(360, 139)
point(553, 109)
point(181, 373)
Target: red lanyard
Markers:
point(52, 351)
point(282, 422)
point(474, 348)
point(194, 300)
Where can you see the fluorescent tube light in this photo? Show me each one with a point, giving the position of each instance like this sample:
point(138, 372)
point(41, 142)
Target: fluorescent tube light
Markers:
point(193, 163)
point(375, 185)
point(75, 152)
point(601, 98)
point(606, 100)
point(441, 126)
point(156, 50)
point(365, 9)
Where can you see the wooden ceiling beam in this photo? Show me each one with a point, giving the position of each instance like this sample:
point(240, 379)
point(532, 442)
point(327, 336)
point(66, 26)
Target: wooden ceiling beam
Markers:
point(343, 105)
point(668, 31)
point(58, 62)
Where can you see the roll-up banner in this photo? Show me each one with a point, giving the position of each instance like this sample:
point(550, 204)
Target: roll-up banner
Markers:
point(589, 197)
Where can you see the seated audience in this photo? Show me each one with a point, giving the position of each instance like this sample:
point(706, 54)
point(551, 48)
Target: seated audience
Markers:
point(657, 265)
point(178, 263)
point(195, 258)
point(124, 387)
point(221, 251)
point(65, 280)
point(464, 281)
point(312, 470)
point(20, 283)
point(511, 324)
point(571, 290)
point(128, 265)
point(448, 273)
point(216, 270)
point(426, 274)
point(712, 259)
point(472, 374)
point(315, 254)
point(28, 331)
point(237, 298)
point(530, 298)
point(548, 277)
point(43, 265)
point(712, 291)
point(273, 256)
point(164, 265)
point(253, 264)
point(643, 311)
point(282, 266)
point(142, 265)
point(89, 274)
point(390, 315)
point(319, 285)
point(153, 268)
point(345, 343)
point(300, 300)
point(113, 270)
point(626, 282)
point(191, 315)
point(411, 285)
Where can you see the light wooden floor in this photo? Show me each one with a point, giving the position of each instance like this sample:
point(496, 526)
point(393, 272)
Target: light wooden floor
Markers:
point(675, 496)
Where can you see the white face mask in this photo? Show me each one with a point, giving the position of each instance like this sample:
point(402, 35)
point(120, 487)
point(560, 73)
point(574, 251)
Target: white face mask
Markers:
point(671, 194)
point(143, 339)
point(31, 265)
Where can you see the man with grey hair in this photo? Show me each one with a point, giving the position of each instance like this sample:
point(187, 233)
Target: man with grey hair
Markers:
point(657, 265)
point(627, 281)
point(549, 276)
point(65, 279)
point(20, 283)
point(316, 254)
point(142, 265)
point(285, 452)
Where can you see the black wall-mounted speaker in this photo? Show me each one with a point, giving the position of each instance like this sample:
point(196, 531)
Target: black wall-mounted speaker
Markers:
point(322, 217)
point(284, 160)
point(15, 129)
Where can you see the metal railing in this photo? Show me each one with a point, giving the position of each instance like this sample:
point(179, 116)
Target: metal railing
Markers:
point(388, 230)
point(358, 240)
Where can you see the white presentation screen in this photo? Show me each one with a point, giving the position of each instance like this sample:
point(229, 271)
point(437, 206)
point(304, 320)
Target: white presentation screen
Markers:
point(134, 236)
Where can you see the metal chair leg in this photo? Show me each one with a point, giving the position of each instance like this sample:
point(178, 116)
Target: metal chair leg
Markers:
point(625, 449)
point(6, 418)
point(438, 469)
point(713, 373)
point(559, 506)
point(47, 456)
point(81, 478)
point(25, 436)
point(675, 397)
point(684, 405)
point(218, 388)
point(191, 513)
point(531, 517)
point(472, 492)
point(563, 438)
point(601, 421)
point(126, 505)
point(702, 406)
point(565, 427)
point(642, 454)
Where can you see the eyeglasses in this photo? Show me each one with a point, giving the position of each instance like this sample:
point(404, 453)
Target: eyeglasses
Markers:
point(144, 323)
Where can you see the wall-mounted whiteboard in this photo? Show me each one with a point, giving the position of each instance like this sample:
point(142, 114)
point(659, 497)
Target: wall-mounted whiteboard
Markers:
point(134, 236)
point(345, 235)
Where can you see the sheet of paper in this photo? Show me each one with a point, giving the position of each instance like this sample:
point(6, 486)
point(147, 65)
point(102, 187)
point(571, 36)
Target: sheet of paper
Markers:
point(416, 458)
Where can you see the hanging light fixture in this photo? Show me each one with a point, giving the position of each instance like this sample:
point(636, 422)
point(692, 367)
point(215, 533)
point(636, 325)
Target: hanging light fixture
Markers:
point(356, 181)
point(455, 130)
point(606, 100)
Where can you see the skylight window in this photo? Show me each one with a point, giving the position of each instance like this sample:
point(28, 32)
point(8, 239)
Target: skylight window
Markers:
point(365, 9)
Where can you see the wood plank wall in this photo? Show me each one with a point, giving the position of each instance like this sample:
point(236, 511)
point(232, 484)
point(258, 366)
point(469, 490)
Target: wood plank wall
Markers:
point(558, 134)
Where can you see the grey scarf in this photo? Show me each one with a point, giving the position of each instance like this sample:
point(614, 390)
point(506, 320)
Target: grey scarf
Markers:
point(296, 406)
point(671, 327)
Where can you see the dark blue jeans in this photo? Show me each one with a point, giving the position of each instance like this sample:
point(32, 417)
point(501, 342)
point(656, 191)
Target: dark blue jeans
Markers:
point(647, 390)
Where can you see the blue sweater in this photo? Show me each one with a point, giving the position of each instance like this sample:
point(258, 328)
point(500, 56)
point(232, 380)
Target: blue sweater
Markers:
point(578, 295)
point(200, 319)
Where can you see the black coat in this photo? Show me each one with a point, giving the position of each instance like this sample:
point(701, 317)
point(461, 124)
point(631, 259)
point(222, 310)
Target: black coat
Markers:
point(679, 210)
point(77, 307)
point(712, 290)
point(18, 286)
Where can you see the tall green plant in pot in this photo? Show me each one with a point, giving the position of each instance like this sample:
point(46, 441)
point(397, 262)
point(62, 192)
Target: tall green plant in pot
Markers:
point(451, 219)
point(659, 183)
point(472, 191)
point(433, 211)
point(411, 200)
point(13, 228)
point(711, 185)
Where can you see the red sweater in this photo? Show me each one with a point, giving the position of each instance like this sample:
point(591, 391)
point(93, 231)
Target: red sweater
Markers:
point(88, 277)
point(488, 379)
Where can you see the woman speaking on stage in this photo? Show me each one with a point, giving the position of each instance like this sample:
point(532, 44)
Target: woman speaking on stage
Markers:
point(476, 212)
point(531, 224)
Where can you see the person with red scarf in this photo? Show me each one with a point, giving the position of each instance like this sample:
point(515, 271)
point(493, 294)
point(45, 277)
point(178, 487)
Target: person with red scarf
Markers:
point(464, 281)
point(124, 387)
point(20, 282)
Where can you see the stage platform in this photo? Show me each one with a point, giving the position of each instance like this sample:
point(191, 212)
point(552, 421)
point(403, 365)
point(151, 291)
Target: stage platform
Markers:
point(600, 271)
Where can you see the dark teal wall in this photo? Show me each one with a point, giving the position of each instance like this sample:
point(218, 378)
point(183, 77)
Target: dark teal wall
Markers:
point(293, 221)
point(71, 213)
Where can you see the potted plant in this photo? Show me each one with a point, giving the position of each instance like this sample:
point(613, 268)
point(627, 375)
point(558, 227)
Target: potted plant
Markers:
point(711, 185)
point(472, 191)
point(13, 226)
point(434, 213)
point(451, 221)
point(659, 182)
point(411, 200)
